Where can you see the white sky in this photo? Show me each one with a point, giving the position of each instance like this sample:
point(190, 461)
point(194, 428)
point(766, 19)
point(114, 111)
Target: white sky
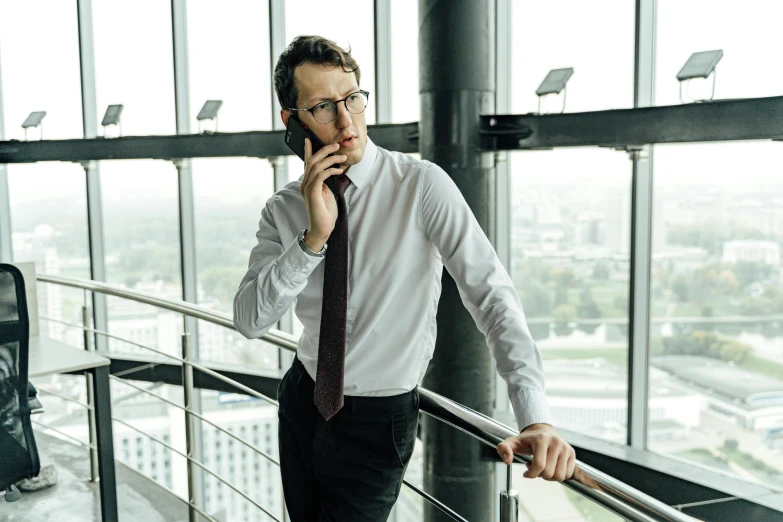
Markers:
point(229, 60)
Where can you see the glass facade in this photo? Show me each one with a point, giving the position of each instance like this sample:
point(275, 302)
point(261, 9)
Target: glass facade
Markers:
point(715, 391)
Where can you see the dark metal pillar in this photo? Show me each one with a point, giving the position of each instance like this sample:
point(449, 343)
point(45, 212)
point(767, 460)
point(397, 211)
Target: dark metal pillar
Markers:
point(457, 85)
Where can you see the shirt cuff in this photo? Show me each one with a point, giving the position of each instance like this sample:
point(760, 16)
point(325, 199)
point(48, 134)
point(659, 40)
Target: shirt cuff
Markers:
point(296, 265)
point(531, 407)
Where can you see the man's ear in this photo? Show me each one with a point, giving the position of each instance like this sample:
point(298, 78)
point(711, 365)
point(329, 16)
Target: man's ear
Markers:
point(284, 115)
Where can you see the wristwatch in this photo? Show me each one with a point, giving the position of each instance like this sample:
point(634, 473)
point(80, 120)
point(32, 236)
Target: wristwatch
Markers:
point(307, 249)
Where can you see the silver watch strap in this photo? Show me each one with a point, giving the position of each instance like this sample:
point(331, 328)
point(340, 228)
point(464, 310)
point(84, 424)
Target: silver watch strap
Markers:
point(307, 249)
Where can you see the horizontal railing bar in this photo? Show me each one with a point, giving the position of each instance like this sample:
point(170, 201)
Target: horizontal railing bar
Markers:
point(63, 397)
point(199, 464)
point(112, 336)
point(47, 427)
point(133, 370)
point(201, 417)
point(170, 491)
point(281, 339)
point(435, 502)
point(208, 371)
point(588, 481)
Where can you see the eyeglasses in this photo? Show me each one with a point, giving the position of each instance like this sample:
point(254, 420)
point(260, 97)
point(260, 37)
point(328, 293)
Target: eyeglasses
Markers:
point(326, 111)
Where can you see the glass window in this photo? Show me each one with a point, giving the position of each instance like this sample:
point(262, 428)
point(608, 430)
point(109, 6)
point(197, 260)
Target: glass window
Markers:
point(141, 230)
point(404, 62)
point(570, 240)
point(229, 61)
point(134, 64)
point(597, 43)
point(49, 227)
point(351, 27)
point(752, 44)
point(229, 194)
point(31, 65)
point(716, 375)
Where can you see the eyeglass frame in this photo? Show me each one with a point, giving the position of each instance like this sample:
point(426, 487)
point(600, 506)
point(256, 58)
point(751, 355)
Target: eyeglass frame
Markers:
point(336, 105)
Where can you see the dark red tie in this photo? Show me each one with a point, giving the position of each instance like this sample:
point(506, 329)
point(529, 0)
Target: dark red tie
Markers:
point(334, 310)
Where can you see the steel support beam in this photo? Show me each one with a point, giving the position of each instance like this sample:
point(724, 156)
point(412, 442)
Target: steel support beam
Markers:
point(457, 85)
point(277, 45)
point(91, 170)
point(500, 229)
point(6, 246)
point(255, 144)
point(726, 120)
point(641, 234)
point(382, 95)
point(187, 232)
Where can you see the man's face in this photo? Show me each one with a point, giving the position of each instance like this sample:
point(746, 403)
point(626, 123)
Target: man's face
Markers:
point(317, 83)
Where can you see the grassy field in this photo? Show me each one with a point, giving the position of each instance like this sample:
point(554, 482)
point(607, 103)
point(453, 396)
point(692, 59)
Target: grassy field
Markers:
point(763, 367)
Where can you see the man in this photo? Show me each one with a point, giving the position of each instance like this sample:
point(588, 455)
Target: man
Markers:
point(348, 405)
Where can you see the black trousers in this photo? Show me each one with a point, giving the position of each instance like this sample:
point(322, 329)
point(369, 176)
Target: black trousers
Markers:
point(351, 467)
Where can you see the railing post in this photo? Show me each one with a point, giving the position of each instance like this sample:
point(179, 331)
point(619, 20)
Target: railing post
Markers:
point(190, 436)
point(509, 501)
point(88, 345)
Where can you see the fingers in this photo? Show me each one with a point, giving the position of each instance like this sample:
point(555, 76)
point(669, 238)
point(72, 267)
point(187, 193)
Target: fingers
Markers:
point(539, 463)
point(553, 458)
point(511, 445)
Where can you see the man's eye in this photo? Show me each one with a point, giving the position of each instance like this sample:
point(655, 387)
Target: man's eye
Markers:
point(322, 107)
point(353, 97)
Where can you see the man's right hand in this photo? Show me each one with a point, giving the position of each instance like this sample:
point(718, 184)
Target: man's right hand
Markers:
point(319, 201)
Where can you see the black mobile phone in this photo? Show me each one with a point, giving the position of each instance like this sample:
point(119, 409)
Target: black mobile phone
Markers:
point(295, 134)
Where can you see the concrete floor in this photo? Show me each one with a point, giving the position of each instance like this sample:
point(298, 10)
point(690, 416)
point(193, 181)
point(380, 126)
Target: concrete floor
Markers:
point(75, 499)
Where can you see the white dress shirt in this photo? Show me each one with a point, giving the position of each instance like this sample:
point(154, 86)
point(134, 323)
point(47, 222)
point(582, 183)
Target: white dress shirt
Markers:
point(406, 220)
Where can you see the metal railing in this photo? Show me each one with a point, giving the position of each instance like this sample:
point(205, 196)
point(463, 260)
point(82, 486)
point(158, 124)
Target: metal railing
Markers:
point(607, 491)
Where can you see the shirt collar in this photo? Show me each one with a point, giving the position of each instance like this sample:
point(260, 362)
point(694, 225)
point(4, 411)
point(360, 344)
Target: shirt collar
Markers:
point(361, 173)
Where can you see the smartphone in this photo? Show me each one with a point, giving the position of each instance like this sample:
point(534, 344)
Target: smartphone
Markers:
point(295, 134)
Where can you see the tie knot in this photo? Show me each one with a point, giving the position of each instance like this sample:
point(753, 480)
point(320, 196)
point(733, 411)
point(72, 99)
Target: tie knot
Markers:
point(341, 184)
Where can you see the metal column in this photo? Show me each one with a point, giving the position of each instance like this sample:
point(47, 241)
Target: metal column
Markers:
point(382, 94)
point(187, 233)
point(6, 246)
point(641, 233)
point(92, 173)
point(456, 78)
point(500, 224)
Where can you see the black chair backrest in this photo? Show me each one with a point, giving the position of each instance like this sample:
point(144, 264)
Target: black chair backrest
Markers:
point(18, 452)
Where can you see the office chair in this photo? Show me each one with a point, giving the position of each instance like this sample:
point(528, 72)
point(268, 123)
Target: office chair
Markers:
point(18, 452)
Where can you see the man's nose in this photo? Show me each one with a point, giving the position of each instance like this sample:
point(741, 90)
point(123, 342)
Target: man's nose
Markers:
point(343, 119)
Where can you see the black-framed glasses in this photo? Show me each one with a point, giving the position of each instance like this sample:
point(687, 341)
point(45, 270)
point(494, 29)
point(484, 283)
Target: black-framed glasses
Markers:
point(326, 111)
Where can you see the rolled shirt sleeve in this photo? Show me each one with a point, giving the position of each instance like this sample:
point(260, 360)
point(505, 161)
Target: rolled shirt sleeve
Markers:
point(275, 276)
point(487, 292)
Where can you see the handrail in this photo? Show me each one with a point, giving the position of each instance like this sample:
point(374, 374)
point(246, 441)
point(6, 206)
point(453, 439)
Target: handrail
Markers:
point(276, 337)
point(588, 481)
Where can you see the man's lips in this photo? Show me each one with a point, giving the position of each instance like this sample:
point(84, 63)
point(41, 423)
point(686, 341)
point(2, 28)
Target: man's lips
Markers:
point(347, 142)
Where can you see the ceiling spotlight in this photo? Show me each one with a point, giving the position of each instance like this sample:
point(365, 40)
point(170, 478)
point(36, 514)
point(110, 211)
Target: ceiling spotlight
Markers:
point(700, 65)
point(34, 120)
point(112, 117)
point(554, 83)
point(209, 112)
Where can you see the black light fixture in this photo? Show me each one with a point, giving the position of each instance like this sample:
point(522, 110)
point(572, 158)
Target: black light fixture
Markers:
point(112, 117)
point(554, 83)
point(209, 112)
point(34, 120)
point(700, 65)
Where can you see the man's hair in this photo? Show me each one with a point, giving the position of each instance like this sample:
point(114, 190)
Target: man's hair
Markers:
point(313, 49)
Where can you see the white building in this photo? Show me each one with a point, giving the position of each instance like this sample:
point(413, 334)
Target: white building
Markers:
point(751, 251)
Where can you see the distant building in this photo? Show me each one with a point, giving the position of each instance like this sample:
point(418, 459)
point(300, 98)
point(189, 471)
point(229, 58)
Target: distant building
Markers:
point(742, 397)
point(751, 251)
point(591, 396)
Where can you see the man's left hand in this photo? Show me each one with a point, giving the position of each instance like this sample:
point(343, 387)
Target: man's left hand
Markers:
point(553, 458)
